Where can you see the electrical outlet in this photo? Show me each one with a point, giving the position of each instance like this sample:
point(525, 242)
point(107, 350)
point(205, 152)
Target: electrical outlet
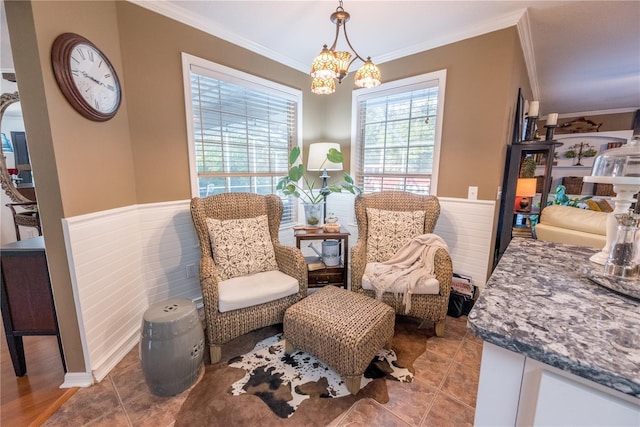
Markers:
point(191, 271)
point(473, 193)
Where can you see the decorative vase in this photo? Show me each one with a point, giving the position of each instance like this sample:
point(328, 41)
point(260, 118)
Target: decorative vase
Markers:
point(313, 214)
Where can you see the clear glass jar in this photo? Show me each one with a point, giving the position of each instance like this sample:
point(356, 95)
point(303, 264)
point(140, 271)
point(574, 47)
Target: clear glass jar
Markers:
point(622, 257)
point(619, 162)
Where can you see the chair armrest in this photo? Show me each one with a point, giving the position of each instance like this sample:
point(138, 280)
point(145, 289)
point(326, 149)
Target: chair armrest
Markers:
point(209, 280)
point(358, 263)
point(444, 271)
point(291, 262)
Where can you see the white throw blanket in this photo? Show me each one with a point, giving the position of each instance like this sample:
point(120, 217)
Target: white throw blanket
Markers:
point(410, 267)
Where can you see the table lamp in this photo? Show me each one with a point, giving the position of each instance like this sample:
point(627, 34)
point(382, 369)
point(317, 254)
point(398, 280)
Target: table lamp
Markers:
point(526, 188)
point(317, 161)
point(620, 167)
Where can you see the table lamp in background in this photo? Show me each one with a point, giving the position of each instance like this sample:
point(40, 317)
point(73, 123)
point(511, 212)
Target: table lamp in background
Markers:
point(526, 188)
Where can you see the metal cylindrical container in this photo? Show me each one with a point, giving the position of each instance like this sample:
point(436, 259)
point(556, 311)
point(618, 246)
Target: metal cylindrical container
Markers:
point(171, 346)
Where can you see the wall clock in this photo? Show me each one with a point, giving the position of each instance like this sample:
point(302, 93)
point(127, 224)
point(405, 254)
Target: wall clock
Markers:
point(86, 77)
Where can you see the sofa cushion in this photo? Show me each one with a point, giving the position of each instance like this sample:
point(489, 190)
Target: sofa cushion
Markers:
point(388, 231)
point(577, 219)
point(254, 289)
point(241, 246)
point(573, 226)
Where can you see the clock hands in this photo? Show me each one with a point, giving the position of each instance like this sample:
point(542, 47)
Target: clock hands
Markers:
point(84, 73)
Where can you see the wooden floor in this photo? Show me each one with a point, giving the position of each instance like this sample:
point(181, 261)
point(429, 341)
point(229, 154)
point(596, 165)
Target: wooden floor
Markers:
point(25, 399)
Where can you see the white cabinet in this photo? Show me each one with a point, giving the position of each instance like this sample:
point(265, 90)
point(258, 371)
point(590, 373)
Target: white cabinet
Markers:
point(515, 390)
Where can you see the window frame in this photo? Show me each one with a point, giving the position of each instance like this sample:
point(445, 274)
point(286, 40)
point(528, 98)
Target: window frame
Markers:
point(233, 76)
point(395, 87)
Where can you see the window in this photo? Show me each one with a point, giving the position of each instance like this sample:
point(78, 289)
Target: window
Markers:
point(241, 129)
point(397, 129)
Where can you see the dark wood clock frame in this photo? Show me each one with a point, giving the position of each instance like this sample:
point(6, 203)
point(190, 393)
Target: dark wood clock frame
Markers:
point(60, 53)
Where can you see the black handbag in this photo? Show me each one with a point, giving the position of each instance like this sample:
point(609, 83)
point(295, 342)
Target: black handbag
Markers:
point(459, 304)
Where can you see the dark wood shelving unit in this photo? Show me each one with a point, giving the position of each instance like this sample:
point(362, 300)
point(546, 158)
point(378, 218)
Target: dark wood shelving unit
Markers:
point(516, 153)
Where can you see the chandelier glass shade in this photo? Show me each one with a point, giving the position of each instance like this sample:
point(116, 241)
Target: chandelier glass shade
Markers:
point(323, 86)
point(331, 64)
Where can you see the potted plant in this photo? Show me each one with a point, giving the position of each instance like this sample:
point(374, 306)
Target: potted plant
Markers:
point(311, 197)
point(528, 168)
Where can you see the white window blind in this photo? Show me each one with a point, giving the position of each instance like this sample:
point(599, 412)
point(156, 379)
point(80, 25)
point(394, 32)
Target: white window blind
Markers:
point(397, 138)
point(242, 132)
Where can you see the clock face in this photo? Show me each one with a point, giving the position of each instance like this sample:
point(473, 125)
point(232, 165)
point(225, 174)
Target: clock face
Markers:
point(86, 77)
point(94, 78)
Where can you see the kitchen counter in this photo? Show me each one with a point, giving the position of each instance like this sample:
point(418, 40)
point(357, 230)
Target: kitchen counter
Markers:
point(538, 304)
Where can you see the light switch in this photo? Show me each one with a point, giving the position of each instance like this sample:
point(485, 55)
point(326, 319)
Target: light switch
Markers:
point(473, 193)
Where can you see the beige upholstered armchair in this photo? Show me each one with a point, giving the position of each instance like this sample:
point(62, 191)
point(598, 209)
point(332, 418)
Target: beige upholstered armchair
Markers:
point(408, 210)
point(248, 278)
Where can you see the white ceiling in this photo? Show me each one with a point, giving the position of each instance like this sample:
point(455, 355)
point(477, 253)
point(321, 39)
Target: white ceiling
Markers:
point(583, 56)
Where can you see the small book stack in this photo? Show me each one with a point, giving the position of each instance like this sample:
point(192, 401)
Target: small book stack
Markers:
point(463, 285)
point(462, 297)
point(314, 263)
point(521, 232)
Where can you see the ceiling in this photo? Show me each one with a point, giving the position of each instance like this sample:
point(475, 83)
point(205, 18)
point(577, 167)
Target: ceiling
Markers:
point(582, 56)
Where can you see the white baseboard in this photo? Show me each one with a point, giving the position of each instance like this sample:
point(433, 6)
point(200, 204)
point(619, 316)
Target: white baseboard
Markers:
point(77, 379)
point(123, 348)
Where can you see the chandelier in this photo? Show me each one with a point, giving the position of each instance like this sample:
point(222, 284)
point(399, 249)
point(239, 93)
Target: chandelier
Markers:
point(331, 64)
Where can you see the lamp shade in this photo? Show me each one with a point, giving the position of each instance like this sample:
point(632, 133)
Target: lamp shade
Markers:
point(526, 187)
point(317, 159)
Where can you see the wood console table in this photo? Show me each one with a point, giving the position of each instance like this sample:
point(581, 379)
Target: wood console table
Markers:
point(27, 300)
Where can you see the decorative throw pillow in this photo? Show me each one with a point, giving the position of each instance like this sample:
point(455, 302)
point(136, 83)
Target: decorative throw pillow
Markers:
point(241, 246)
point(388, 231)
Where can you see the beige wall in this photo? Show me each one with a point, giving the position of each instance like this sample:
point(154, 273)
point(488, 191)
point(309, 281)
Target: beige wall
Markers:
point(483, 76)
point(151, 52)
point(141, 155)
point(79, 166)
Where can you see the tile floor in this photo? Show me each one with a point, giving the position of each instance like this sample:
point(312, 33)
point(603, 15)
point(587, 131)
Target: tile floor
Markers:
point(442, 394)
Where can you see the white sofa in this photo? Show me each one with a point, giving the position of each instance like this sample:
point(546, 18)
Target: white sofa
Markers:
point(573, 226)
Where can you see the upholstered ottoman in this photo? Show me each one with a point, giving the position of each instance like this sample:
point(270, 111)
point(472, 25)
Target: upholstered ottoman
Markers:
point(343, 329)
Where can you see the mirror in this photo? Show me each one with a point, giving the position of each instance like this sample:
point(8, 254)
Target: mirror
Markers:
point(7, 183)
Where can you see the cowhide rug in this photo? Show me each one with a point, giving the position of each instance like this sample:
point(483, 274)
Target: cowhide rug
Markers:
point(283, 381)
point(260, 384)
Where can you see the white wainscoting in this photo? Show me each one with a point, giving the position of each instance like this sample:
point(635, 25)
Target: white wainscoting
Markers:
point(122, 260)
point(467, 227)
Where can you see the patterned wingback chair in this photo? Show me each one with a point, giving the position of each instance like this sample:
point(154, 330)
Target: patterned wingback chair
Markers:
point(423, 306)
point(224, 319)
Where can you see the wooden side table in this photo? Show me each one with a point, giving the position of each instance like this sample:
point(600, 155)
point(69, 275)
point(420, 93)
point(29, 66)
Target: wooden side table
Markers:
point(27, 299)
point(337, 275)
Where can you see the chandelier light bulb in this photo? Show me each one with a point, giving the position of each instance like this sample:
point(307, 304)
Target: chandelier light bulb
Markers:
point(368, 75)
point(325, 66)
point(323, 86)
point(343, 60)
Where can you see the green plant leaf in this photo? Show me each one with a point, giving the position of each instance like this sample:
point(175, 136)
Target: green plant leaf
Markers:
point(348, 178)
point(293, 155)
point(335, 156)
point(350, 188)
point(334, 188)
point(296, 172)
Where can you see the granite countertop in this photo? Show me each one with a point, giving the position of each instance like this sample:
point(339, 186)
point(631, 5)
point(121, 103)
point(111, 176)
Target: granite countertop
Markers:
point(539, 303)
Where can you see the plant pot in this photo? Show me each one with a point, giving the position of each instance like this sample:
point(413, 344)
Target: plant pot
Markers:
point(313, 214)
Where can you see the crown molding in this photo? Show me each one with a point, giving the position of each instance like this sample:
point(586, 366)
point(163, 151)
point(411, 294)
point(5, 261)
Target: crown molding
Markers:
point(524, 31)
point(501, 22)
point(178, 14)
point(597, 112)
